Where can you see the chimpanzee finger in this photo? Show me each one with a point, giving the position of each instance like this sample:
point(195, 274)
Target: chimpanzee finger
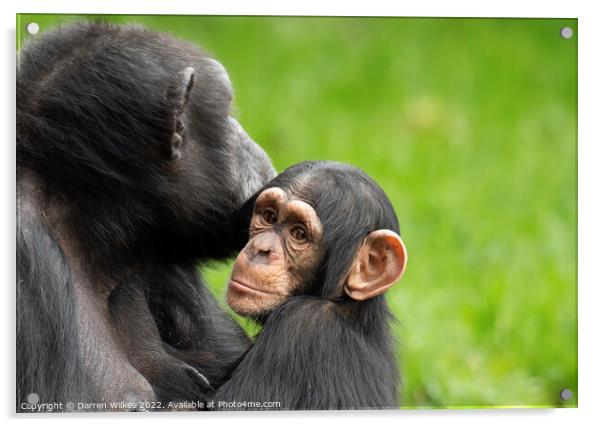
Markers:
point(200, 379)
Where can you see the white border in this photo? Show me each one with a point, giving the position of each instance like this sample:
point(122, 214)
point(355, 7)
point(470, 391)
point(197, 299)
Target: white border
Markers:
point(590, 212)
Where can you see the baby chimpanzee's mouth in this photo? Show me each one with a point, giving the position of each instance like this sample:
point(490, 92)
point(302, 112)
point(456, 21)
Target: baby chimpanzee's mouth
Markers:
point(242, 286)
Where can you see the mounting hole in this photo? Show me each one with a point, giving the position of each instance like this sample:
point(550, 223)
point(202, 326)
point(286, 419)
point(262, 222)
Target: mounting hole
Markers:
point(33, 398)
point(33, 28)
point(566, 394)
point(566, 32)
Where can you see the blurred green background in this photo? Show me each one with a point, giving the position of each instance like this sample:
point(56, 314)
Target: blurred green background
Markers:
point(470, 127)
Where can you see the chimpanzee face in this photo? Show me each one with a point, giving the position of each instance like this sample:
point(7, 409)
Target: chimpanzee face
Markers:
point(283, 251)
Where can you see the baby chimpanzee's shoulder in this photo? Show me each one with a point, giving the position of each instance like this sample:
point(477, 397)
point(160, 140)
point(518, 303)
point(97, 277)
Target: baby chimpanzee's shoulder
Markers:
point(311, 318)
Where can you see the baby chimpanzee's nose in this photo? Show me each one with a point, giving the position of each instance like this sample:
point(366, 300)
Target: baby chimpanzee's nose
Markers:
point(265, 248)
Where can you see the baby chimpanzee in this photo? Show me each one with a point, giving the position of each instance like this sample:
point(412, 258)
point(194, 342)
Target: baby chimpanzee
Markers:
point(323, 249)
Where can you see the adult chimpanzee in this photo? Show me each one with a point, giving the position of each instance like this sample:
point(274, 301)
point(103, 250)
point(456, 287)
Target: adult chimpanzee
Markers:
point(323, 248)
point(129, 170)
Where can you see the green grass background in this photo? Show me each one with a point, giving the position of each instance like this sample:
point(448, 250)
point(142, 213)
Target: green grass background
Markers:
point(470, 127)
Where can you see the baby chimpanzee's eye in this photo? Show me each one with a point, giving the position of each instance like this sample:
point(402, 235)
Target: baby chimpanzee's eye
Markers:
point(298, 233)
point(269, 216)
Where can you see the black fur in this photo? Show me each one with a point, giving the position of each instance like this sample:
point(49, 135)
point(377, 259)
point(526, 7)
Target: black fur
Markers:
point(47, 361)
point(104, 206)
point(323, 350)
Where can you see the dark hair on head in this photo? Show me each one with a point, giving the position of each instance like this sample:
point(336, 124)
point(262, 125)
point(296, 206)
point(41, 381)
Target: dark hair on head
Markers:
point(92, 106)
point(350, 205)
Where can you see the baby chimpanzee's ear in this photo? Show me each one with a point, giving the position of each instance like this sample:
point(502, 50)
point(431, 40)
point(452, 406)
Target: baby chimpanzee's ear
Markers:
point(379, 263)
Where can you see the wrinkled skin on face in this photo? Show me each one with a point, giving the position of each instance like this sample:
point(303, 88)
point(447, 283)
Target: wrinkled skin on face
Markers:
point(283, 251)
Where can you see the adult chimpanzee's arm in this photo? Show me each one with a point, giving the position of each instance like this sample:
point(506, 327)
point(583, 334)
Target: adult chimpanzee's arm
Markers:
point(191, 323)
point(171, 378)
point(49, 361)
point(309, 356)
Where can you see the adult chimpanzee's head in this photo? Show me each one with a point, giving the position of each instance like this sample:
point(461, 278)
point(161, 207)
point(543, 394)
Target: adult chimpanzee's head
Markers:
point(319, 228)
point(132, 129)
